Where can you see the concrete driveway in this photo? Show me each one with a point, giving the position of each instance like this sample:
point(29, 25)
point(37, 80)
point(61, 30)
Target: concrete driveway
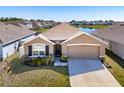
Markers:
point(90, 73)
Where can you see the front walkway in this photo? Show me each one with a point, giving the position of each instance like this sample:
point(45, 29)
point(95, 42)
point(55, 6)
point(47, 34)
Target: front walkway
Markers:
point(59, 63)
point(90, 73)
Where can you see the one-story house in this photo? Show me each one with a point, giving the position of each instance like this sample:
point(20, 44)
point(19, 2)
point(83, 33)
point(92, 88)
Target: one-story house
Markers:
point(114, 35)
point(11, 37)
point(67, 40)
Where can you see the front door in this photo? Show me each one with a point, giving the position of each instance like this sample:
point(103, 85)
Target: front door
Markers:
point(57, 50)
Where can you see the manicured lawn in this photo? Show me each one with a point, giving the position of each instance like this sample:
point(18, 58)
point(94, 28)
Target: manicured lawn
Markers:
point(117, 65)
point(41, 30)
point(95, 26)
point(45, 76)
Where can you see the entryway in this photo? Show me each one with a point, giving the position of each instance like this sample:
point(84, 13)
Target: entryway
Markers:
point(57, 50)
point(59, 63)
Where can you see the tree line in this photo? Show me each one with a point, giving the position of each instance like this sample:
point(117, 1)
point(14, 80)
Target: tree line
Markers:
point(5, 19)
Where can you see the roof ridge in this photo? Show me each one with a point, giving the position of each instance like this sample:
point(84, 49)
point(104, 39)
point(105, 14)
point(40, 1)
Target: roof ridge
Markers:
point(61, 31)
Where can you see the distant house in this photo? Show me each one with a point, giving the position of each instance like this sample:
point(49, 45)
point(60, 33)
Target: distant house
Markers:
point(36, 25)
point(11, 37)
point(29, 24)
point(114, 35)
point(23, 24)
point(64, 39)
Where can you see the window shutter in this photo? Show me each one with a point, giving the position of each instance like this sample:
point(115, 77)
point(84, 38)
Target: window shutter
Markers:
point(47, 50)
point(30, 50)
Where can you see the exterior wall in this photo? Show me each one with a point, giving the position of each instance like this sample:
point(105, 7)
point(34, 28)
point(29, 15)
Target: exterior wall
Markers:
point(1, 51)
point(21, 51)
point(10, 49)
point(13, 47)
point(29, 25)
point(38, 40)
point(84, 39)
point(118, 49)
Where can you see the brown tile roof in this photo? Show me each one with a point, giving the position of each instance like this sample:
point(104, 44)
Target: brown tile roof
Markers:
point(9, 32)
point(114, 33)
point(61, 32)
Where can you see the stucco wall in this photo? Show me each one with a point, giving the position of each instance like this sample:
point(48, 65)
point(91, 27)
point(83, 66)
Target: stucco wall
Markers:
point(117, 49)
point(84, 39)
point(38, 40)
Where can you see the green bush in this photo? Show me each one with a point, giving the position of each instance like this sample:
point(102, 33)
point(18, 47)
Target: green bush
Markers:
point(49, 60)
point(35, 61)
point(64, 58)
point(25, 59)
point(43, 61)
point(39, 62)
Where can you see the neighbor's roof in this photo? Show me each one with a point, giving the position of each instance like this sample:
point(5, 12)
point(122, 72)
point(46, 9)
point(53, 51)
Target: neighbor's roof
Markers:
point(9, 32)
point(61, 32)
point(114, 33)
point(18, 23)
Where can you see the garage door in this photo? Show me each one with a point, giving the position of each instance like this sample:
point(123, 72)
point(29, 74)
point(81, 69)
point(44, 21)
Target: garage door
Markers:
point(83, 51)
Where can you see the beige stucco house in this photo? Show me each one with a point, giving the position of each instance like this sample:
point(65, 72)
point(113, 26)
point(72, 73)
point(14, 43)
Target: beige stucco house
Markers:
point(114, 35)
point(64, 39)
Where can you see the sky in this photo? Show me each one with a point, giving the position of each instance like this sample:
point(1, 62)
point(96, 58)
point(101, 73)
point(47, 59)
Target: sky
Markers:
point(64, 13)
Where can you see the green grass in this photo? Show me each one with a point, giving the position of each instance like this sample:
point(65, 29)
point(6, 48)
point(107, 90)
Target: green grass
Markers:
point(45, 76)
point(117, 65)
point(94, 26)
point(41, 30)
point(0, 81)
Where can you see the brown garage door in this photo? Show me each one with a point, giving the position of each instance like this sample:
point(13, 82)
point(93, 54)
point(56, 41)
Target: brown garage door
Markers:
point(83, 51)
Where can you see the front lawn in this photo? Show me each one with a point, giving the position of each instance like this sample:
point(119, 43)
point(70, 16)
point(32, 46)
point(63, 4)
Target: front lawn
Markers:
point(41, 30)
point(44, 76)
point(117, 65)
point(94, 26)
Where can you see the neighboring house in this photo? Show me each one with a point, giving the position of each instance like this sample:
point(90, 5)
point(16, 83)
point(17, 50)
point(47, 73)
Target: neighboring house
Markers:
point(22, 24)
point(11, 37)
point(64, 39)
point(114, 35)
point(36, 25)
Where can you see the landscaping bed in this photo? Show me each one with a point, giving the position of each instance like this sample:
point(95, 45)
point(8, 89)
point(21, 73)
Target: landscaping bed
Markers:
point(37, 61)
point(38, 76)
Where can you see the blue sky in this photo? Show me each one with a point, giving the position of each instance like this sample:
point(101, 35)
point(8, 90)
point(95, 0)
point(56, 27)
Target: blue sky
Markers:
point(64, 13)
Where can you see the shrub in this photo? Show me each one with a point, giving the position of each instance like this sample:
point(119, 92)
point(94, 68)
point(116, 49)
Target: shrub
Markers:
point(64, 58)
point(38, 61)
point(49, 60)
point(25, 59)
point(35, 61)
point(43, 61)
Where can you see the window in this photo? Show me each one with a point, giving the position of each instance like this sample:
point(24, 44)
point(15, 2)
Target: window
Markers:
point(38, 50)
